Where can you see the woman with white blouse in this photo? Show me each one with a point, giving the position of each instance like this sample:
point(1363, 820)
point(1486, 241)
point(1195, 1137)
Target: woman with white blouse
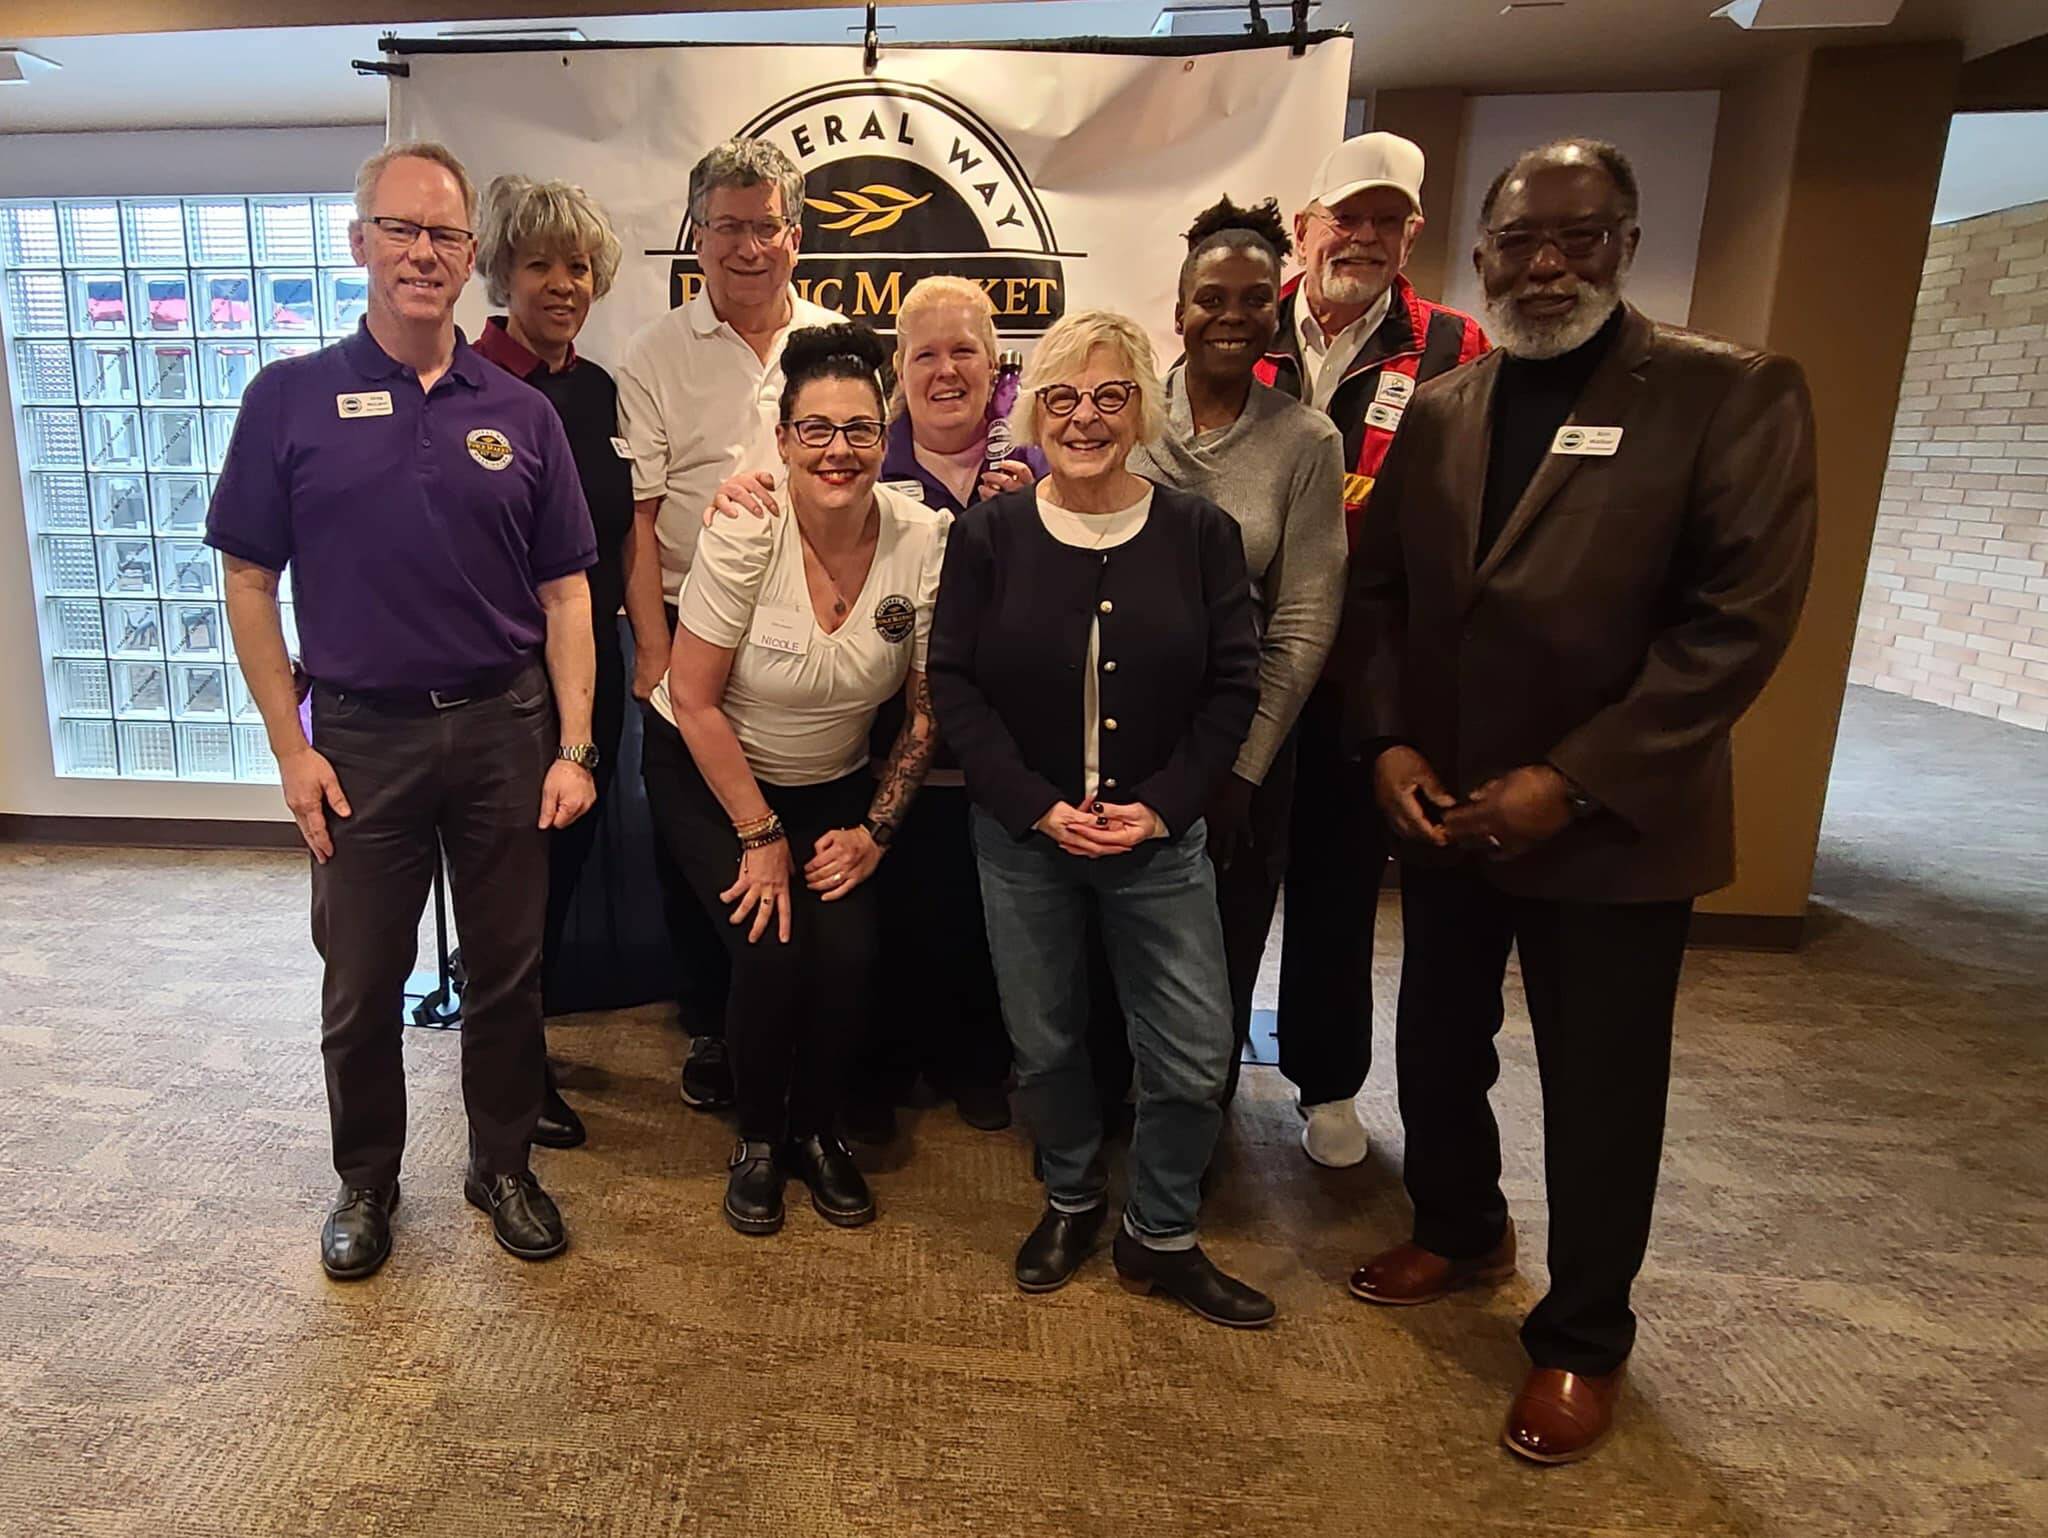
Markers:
point(791, 632)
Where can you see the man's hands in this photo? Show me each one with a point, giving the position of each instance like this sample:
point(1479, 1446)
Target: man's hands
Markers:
point(845, 858)
point(1100, 828)
point(1513, 813)
point(1507, 816)
point(566, 794)
point(310, 788)
point(751, 492)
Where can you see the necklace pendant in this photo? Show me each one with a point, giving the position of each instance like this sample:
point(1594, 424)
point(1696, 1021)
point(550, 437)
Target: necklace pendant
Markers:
point(839, 606)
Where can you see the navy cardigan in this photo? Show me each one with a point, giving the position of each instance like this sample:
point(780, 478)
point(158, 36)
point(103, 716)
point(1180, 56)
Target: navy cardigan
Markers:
point(1179, 669)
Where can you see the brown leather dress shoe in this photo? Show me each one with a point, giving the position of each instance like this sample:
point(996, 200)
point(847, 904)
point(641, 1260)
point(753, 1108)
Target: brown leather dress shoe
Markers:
point(1560, 1417)
point(1408, 1274)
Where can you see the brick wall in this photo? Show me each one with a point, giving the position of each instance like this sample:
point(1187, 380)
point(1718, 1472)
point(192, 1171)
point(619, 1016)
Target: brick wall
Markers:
point(1955, 610)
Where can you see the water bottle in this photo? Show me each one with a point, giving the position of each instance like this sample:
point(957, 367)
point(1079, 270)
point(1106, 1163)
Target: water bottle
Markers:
point(1009, 371)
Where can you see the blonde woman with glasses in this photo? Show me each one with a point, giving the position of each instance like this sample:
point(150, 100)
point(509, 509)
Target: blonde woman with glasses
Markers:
point(1095, 666)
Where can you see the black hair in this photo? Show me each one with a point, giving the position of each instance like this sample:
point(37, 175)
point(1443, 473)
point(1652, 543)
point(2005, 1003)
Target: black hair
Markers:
point(848, 350)
point(1566, 151)
point(1224, 225)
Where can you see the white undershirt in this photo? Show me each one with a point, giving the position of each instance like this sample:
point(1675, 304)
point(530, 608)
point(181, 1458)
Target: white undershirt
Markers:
point(1324, 359)
point(1092, 531)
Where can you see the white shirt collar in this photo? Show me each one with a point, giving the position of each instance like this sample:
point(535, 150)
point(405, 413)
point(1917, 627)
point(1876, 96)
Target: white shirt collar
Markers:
point(1325, 359)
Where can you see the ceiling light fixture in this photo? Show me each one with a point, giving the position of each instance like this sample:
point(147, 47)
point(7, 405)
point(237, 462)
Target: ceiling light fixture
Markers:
point(1772, 15)
point(18, 66)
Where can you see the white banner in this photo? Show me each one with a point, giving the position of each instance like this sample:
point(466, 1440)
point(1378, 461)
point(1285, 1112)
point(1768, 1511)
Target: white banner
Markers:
point(1060, 180)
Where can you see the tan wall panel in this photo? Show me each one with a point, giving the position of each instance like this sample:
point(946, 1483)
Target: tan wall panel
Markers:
point(1434, 119)
point(1863, 170)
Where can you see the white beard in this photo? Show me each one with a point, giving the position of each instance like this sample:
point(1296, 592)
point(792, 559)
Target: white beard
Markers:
point(1554, 338)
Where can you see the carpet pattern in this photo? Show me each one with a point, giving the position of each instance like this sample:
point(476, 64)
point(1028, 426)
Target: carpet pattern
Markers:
point(1845, 1309)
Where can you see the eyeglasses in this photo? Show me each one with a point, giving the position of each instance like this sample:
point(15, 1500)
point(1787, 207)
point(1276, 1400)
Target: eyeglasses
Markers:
point(818, 432)
point(402, 233)
point(765, 231)
point(1110, 397)
point(1386, 226)
point(1575, 242)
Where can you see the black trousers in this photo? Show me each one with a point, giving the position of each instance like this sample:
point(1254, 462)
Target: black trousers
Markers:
point(1336, 857)
point(796, 1012)
point(1601, 980)
point(937, 1011)
point(703, 974)
point(1247, 885)
point(569, 848)
point(467, 780)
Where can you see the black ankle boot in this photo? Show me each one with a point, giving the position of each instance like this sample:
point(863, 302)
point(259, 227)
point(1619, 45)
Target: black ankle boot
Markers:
point(1055, 1249)
point(838, 1189)
point(1191, 1277)
point(753, 1191)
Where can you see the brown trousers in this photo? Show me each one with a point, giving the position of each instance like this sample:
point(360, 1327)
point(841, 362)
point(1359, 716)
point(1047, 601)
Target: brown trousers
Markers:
point(467, 780)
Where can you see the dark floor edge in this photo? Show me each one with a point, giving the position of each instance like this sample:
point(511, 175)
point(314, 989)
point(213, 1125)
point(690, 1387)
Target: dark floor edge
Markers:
point(148, 832)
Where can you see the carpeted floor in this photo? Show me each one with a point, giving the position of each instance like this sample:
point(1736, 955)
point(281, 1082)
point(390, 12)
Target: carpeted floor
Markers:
point(1846, 1305)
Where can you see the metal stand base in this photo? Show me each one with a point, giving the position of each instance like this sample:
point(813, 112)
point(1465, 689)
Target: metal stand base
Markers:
point(436, 997)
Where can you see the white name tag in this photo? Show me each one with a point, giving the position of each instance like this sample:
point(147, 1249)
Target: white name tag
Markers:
point(1394, 389)
point(1572, 439)
point(370, 403)
point(911, 489)
point(621, 448)
point(782, 630)
point(1387, 418)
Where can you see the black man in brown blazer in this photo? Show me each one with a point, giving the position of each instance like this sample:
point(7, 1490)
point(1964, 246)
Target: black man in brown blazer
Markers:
point(1585, 555)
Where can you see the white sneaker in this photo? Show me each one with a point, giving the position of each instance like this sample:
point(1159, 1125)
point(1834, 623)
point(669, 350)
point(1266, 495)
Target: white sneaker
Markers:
point(1335, 1135)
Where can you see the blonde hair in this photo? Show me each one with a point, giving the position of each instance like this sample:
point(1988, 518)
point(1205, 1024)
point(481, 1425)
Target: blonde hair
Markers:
point(371, 170)
point(1064, 353)
point(521, 216)
point(929, 294)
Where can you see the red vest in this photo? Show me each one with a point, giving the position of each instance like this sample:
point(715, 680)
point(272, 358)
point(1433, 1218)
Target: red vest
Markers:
point(1416, 342)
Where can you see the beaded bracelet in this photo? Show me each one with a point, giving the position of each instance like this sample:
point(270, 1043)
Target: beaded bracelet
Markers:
point(771, 834)
point(757, 827)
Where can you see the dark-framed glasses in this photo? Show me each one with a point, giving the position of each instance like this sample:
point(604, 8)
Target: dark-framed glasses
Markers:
point(450, 238)
point(1110, 397)
point(818, 432)
point(1575, 242)
point(764, 231)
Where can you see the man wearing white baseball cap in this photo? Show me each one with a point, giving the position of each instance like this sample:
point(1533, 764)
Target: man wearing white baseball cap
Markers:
point(1355, 339)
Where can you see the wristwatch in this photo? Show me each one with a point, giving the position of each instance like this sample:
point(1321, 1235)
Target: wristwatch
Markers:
point(1578, 802)
point(880, 832)
point(583, 754)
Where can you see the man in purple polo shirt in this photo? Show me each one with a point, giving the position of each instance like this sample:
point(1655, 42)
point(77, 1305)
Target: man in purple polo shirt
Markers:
point(437, 536)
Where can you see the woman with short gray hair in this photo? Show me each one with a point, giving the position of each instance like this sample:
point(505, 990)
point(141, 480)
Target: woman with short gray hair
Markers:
point(547, 253)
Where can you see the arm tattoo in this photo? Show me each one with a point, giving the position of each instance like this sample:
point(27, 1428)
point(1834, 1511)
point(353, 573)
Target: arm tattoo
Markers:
point(909, 757)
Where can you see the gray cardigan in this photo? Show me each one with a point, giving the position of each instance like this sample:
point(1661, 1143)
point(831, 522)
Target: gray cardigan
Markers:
point(1279, 471)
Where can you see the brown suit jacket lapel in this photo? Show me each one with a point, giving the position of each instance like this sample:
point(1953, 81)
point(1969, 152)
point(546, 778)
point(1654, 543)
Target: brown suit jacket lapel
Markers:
point(1605, 403)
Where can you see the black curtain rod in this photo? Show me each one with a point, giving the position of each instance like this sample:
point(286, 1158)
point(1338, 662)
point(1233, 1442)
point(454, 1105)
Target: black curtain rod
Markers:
point(1144, 47)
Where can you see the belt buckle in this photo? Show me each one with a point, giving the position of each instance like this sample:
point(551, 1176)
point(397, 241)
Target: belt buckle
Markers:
point(434, 695)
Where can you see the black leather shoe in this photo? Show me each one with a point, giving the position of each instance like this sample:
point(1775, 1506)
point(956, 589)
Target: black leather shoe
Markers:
point(559, 1125)
point(523, 1216)
point(838, 1189)
point(984, 1107)
point(1191, 1277)
point(707, 1075)
point(1054, 1250)
point(356, 1238)
point(753, 1189)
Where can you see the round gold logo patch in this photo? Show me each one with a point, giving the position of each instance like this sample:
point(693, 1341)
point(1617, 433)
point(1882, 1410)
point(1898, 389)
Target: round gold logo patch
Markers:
point(490, 448)
point(895, 618)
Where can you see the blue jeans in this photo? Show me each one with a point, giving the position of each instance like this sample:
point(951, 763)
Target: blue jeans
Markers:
point(1157, 908)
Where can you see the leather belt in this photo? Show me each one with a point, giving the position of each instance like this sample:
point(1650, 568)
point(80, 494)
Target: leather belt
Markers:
point(427, 702)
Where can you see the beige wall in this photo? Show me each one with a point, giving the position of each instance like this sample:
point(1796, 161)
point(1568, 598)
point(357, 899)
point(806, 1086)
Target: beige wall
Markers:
point(1434, 119)
point(1817, 236)
point(1956, 607)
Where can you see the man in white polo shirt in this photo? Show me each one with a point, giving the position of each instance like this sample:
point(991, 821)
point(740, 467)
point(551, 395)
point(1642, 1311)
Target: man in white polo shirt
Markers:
point(698, 399)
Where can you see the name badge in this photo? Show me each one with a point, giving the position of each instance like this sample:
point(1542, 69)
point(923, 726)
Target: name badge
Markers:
point(621, 448)
point(1599, 441)
point(1394, 389)
point(1379, 414)
point(911, 489)
point(782, 630)
point(369, 403)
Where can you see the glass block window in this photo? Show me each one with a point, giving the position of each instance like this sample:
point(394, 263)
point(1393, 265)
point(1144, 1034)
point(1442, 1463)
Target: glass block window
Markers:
point(130, 328)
